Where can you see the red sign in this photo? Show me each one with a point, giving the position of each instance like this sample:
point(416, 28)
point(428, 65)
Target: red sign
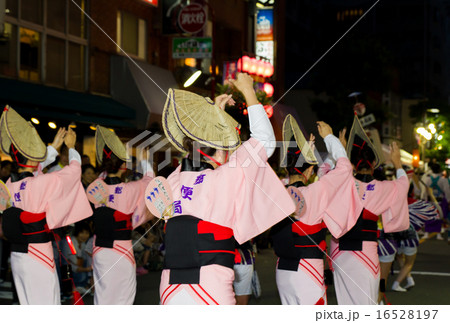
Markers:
point(152, 2)
point(192, 18)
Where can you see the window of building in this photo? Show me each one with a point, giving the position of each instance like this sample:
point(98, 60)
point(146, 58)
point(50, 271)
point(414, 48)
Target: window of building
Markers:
point(30, 54)
point(8, 51)
point(56, 15)
point(11, 8)
point(31, 10)
point(76, 66)
point(131, 34)
point(45, 42)
point(55, 72)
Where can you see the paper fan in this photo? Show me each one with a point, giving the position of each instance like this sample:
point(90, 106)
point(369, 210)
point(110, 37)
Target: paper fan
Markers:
point(5, 197)
point(97, 192)
point(159, 198)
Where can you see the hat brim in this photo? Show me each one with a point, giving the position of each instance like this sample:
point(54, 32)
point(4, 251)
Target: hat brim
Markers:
point(291, 128)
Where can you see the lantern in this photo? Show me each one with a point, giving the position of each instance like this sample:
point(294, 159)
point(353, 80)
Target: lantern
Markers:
point(269, 110)
point(268, 88)
point(253, 65)
point(261, 68)
point(245, 63)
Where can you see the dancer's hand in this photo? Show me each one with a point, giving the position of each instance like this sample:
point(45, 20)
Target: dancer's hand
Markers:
point(342, 137)
point(59, 138)
point(395, 155)
point(70, 139)
point(223, 100)
point(324, 129)
point(244, 83)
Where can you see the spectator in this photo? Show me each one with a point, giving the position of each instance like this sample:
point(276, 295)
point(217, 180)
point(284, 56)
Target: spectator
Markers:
point(88, 175)
point(78, 260)
point(5, 170)
point(441, 191)
point(85, 160)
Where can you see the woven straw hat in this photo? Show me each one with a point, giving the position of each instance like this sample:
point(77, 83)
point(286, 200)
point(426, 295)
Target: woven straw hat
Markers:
point(291, 128)
point(17, 131)
point(188, 114)
point(357, 134)
point(104, 136)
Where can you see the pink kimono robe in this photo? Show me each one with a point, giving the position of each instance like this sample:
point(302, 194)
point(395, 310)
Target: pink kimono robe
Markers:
point(61, 196)
point(357, 273)
point(306, 285)
point(115, 268)
point(244, 195)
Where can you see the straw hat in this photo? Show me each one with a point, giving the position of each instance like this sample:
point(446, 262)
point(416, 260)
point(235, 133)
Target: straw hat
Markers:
point(357, 134)
point(291, 128)
point(188, 114)
point(104, 136)
point(21, 133)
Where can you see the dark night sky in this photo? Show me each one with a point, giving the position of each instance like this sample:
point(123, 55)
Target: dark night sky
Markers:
point(399, 45)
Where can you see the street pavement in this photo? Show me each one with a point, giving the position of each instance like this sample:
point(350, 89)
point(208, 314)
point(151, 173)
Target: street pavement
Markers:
point(431, 273)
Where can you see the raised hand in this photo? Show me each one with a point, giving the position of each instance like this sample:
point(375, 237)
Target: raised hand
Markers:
point(342, 137)
point(70, 139)
point(395, 155)
point(244, 83)
point(223, 100)
point(324, 129)
point(59, 138)
point(312, 140)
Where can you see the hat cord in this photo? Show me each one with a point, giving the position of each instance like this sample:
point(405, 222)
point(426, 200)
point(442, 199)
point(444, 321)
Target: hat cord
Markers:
point(363, 160)
point(209, 157)
point(306, 180)
point(15, 151)
point(108, 155)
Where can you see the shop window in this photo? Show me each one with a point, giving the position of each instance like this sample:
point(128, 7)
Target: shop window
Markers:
point(8, 50)
point(55, 61)
point(132, 34)
point(30, 54)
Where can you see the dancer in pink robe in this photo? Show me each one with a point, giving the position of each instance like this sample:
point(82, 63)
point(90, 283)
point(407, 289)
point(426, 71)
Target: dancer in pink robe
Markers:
point(215, 201)
point(300, 247)
point(40, 203)
point(114, 265)
point(354, 255)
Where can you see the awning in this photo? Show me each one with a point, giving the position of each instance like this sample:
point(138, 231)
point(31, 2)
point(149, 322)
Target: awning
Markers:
point(142, 86)
point(46, 101)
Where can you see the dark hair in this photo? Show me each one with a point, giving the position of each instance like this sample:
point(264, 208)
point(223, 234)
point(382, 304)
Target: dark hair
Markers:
point(86, 167)
point(292, 158)
point(111, 163)
point(17, 158)
point(362, 156)
point(192, 148)
point(5, 163)
point(435, 168)
point(80, 227)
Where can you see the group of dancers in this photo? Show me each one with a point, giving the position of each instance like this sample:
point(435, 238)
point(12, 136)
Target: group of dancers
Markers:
point(223, 194)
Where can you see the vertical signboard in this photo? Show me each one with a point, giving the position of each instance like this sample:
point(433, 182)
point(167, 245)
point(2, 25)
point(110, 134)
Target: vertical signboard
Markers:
point(264, 34)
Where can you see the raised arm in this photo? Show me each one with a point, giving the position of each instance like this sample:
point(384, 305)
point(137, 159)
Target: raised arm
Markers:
point(260, 126)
